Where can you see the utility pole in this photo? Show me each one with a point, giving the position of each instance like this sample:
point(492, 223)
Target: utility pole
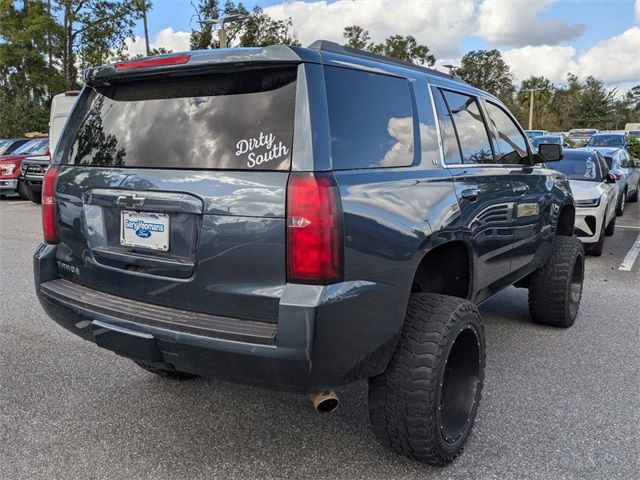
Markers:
point(146, 29)
point(531, 90)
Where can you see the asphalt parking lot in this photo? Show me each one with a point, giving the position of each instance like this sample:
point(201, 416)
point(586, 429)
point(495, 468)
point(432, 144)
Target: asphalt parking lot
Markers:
point(557, 403)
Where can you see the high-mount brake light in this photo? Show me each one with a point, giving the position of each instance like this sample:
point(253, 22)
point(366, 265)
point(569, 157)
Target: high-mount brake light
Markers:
point(153, 62)
point(314, 237)
point(50, 228)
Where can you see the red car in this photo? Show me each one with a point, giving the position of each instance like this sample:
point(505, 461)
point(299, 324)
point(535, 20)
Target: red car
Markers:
point(10, 165)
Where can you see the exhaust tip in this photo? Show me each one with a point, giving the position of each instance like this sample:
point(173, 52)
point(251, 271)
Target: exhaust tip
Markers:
point(325, 401)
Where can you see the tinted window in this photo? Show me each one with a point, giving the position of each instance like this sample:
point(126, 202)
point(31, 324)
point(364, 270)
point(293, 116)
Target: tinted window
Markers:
point(469, 125)
point(226, 121)
point(429, 146)
point(580, 166)
point(371, 119)
point(511, 145)
point(606, 141)
point(604, 168)
point(452, 153)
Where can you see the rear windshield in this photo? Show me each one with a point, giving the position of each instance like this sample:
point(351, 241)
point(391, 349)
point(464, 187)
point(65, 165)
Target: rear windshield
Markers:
point(222, 121)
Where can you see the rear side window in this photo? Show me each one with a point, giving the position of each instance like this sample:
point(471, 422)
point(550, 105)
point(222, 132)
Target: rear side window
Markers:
point(222, 121)
point(511, 145)
point(447, 131)
point(371, 119)
point(470, 127)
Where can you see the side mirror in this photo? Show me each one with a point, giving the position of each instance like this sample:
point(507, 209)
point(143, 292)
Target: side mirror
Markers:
point(611, 178)
point(548, 152)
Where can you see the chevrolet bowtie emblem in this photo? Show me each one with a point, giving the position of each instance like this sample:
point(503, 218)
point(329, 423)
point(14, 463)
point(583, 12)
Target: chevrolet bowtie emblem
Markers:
point(130, 201)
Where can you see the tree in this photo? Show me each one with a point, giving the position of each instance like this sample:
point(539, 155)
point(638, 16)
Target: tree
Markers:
point(406, 49)
point(543, 95)
point(258, 30)
point(396, 46)
point(593, 105)
point(29, 38)
point(357, 37)
point(95, 31)
point(487, 70)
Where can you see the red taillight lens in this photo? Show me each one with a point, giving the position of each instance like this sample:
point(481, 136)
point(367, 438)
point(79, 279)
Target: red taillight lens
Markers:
point(153, 62)
point(314, 237)
point(49, 216)
point(617, 175)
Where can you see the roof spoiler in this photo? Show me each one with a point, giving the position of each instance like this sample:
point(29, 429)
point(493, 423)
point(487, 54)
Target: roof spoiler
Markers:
point(195, 60)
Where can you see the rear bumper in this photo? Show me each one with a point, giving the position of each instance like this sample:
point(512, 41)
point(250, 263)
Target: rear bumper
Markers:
point(8, 185)
point(325, 336)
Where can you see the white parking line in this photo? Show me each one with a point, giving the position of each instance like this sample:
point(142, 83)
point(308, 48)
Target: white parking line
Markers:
point(18, 201)
point(628, 261)
point(633, 227)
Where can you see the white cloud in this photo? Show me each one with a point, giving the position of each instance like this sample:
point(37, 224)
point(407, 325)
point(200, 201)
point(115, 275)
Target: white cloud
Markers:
point(553, 62)
point(517, 24)
point(166, 38)
point(439, 25)
point(614, 60)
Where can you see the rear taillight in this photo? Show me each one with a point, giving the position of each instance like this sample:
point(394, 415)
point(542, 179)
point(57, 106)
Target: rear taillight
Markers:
point(617, 175)
point(314, 237)
point(50, 228)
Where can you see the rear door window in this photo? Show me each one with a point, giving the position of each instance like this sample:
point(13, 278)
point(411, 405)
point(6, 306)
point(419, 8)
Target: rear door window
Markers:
point(371, 119)
point(222, 121)
point(470, 127)
point(450, 144)
point(510, 144)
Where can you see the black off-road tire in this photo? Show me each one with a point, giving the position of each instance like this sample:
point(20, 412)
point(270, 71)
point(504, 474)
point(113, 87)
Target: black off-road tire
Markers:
point(22, 191)
point(172, 374)
point(611, 228)
point(555, 288)
point(634, 198)
point(424, 404)
point(35, 197)
point(622, 203)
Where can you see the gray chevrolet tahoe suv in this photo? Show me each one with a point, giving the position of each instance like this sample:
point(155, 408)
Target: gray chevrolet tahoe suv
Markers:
point(304, 218)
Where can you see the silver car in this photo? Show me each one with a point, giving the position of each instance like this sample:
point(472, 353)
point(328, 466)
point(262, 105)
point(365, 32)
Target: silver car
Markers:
point(627, 174)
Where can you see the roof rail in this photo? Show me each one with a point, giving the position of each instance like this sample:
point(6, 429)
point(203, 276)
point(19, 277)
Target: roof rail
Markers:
point(327, 46)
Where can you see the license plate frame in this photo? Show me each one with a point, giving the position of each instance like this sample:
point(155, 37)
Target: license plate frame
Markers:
point(145, 229)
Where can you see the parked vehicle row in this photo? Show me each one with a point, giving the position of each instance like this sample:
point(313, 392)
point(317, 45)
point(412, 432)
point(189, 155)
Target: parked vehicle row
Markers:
point(10, 166)
point(595, 196)
point(24, 161)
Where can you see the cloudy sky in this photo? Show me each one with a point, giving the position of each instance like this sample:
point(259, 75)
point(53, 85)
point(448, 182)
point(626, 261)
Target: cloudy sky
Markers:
point(541, 37)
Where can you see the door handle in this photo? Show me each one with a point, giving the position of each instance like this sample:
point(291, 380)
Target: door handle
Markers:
point(521, 189)
point(471, 194)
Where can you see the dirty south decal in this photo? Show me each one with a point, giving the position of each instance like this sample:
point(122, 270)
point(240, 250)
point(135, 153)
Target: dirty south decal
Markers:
point(261, 149)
